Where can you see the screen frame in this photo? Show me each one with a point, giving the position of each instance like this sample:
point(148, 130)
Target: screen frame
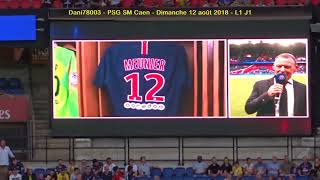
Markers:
point(186, 127)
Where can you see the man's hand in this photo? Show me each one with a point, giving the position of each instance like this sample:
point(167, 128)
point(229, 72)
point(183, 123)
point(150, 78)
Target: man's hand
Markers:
point(275, 89)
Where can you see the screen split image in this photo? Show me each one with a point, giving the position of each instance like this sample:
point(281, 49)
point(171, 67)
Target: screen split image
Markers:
point(190, 78)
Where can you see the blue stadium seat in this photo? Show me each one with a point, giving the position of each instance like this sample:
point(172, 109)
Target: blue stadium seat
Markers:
point(143, 178)
point(4, 84)
point(188, 178)
point(155, 172)
point(219, 178)
point(166, 178)
point(189, 171)
point(303, 178)
point(48, 170)
point(202, 178)
point(38, 171)
point(249, 177)
point(14, 83)
point(177, 178)
point(167, 172)
point(179, 171)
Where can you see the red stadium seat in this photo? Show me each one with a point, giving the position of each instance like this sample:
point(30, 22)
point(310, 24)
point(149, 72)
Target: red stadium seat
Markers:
point(36, 4)
point(25, 4)
point(14, 4)
point(3, 4)
point(126, 3)
point(280, 2)
point(268, 2)
point(255, 2)
point(314, 2)
point(57, 4)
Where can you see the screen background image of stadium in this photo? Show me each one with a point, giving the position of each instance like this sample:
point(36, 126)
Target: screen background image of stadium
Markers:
point(251, 60)
point(206, 64)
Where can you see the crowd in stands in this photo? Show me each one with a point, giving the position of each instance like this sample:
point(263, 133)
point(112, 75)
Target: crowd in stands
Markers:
point(143, 170)
point(14, 4)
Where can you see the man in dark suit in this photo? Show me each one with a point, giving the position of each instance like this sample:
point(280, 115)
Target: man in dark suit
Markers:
point(291, 95)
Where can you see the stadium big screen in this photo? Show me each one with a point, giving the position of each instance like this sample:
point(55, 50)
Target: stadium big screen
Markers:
point(164, 75)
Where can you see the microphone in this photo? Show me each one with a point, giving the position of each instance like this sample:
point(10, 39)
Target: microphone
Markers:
point(280, 79)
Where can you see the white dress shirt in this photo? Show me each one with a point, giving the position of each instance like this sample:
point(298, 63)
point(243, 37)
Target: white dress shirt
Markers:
point(290, 100)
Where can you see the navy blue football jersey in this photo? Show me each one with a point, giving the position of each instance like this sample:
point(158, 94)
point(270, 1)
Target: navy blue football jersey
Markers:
point(145, 79)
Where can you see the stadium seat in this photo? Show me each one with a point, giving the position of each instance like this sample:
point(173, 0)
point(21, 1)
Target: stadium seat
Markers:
point(303, 178)
point(13, 4)
point(48, 170)
point(3, 4)
point(155, 172)
point(57, 4)
point(143, 178)
point(167, 172)
point(25, 4)
point(36, 4)
point(14, 83)
point(249, 177)
point(188, 178)
point(38, 171)
point(166, 178)
point(189, 171)
point(219, 178)
point(180, 171)
point(202, 178)
point(4, 84)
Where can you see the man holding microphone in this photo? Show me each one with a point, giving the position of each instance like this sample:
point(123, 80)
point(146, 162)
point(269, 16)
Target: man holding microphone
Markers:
point(279, 95)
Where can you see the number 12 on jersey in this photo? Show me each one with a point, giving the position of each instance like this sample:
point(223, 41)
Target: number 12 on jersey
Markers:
point(150, 95)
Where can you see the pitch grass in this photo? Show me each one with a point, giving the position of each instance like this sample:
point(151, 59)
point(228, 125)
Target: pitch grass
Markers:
point(240, 87)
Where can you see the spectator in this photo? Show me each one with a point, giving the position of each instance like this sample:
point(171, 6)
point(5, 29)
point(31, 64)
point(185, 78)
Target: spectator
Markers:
point(16, 165)
point(305, 167)
point(96, 166)
point(237, 170)
point(75, 174)
point(260, 168)
point(109, 163)
point(83, 166)
point(287, 168)
point(130, 174)
point(60, 166)
point(72, 166)
point(87, 175)
point(226, 168)
point(214, 169)
point(48, 177)
point(273, 168)
point(41, 177)
point(63, 175)
point(5, 153)
point(133, 166)
point(144, 167)
point(15, 175)
point(29, 175)
point(118, 174)
point(96, 174)
point(107, 174)
point(53, 175)
point(316, 173)
point(248, 167)
point(199, 167)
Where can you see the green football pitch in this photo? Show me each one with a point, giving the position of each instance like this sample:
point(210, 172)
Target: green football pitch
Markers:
point(240, 87)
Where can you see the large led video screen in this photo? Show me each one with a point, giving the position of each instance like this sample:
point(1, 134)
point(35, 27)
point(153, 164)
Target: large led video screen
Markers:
point(165, 86)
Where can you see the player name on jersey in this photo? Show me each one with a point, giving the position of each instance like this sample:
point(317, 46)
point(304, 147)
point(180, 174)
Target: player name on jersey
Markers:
point(156, 64)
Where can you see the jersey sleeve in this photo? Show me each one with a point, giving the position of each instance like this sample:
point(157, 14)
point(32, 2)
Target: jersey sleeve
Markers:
point(101, 77)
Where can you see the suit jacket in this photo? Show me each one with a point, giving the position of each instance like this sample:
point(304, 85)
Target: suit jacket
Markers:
point(260, 102)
